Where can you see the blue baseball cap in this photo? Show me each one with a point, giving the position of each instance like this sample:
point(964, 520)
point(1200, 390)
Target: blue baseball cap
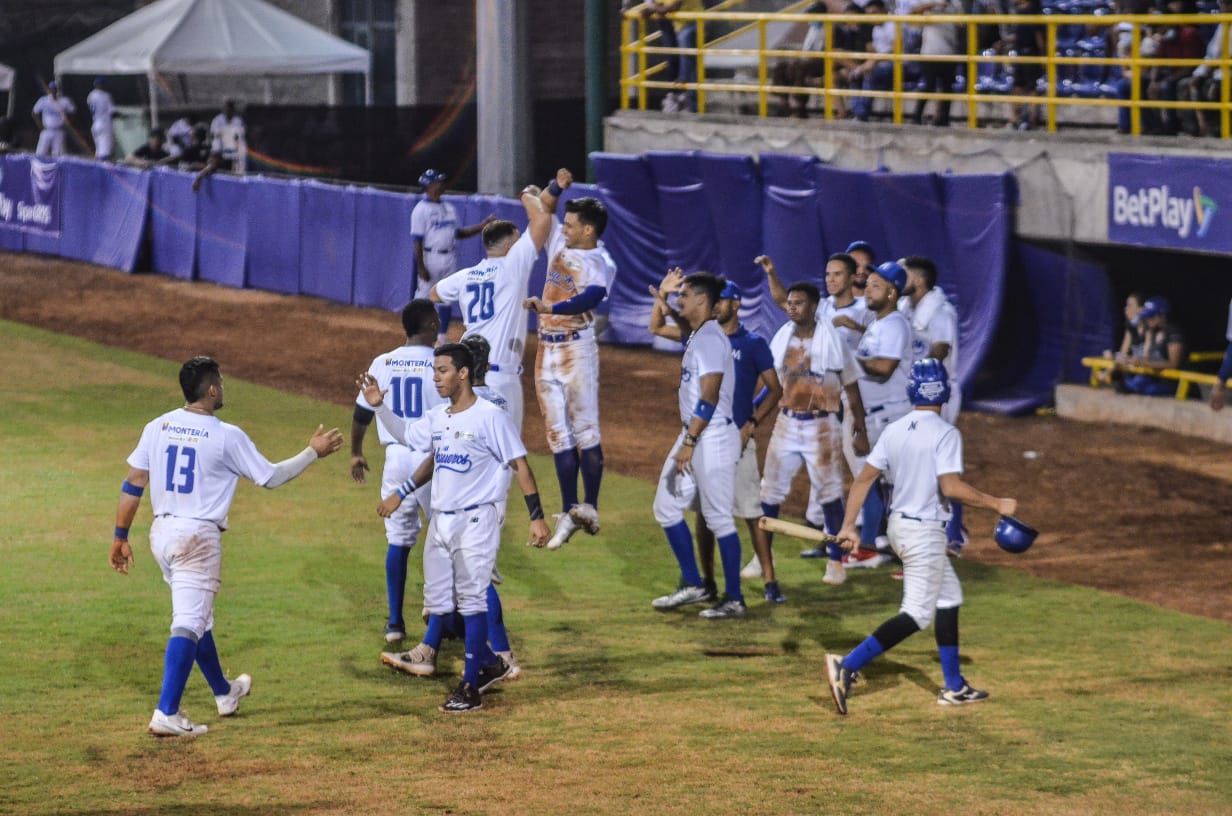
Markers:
point(894, 275)
point(730, 292)
point(1154, 306)
point(856, 246)
point(99, 81)
point(430, 176)
point(52, 86)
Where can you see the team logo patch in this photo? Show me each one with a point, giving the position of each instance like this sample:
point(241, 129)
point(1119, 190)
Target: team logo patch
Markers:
point(456, 462)
point(931, 390)
point(469, 436)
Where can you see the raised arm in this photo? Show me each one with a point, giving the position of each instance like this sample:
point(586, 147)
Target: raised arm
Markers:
point(550, 195)
point(777, 290)
point(539, 217)
point(322, 444)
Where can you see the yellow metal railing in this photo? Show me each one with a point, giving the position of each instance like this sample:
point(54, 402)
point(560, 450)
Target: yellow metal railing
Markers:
point(1102, 368)
point(641, 75)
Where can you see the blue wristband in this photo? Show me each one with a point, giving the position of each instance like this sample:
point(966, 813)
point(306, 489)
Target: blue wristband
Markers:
point(554, 189)
point(121, 533)
point(703, 410)
point(131, 489)
point(406, 488)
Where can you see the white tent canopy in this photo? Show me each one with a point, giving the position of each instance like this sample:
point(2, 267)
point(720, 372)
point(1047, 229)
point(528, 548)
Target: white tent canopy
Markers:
point(219, 37)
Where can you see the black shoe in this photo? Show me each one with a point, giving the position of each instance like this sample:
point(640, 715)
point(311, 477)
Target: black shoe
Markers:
point(493, 674)
point(464, 698)
point(712, 590)
point(394, 632)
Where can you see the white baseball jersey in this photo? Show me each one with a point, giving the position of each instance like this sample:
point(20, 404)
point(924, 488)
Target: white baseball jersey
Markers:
point(569, 273)
point(227, 137)
point(857, 310)
point(179, 136)
point(493, 396)
point(708, 351)
point(406, 375)
point(436, 224)
point(102, 108)
point(491, 294)
point(54, 111)
point(888, 337)
point(913, 453)
point(472, 451)
point(933, 320)
point(195, 462)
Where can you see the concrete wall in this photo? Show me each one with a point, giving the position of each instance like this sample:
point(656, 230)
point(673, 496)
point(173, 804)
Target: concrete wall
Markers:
point(1190, 418)
point(1063, 177)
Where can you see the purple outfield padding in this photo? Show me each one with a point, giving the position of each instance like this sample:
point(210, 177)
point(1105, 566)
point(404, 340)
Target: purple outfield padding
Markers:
point(173, 224)
point(327, 241)
point(736, 211)
point(791, 231)
point(273, 230)
point(222, 230)
point(105, 208)
point(384, 251)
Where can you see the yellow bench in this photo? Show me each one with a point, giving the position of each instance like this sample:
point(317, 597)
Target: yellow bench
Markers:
point(1185, 379)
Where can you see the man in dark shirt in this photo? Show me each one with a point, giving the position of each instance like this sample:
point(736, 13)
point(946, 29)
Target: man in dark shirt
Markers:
point(1164, 348)
point(152, 152)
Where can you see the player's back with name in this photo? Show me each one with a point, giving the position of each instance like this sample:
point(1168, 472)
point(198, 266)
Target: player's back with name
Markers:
point(195, 462)
point(405, 375)
point(913, 452)
point(490, 294)
point(471, 452)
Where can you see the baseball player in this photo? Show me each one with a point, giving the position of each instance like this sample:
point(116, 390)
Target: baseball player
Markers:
point(475, 451)
point(754, 371)
point(579, 275)
point(51, 114)
point(865, 257)
point(421, 661)
point(229, 139)
point(884, 355)
point(435, 231)
point(921, 454)
point(702, 464)
point(102, 111)
point(815, 367)
point(934, 333)
point(491, 294)
point(405, 373)
point(197, 461)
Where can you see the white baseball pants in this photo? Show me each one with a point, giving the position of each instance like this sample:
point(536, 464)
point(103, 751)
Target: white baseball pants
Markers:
point(459, 554)
point(104, 140)
point(817, 445)
point(440, 265)
point(189, 553)
point(567, 385)
point(708, 487)
point(402, 528)
point(747, 504)
point(509, 386)
point(929, 580)
point(50, 142)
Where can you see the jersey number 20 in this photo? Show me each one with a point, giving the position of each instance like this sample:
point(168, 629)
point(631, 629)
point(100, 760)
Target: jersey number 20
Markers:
point(187, 470)
point(482, 299)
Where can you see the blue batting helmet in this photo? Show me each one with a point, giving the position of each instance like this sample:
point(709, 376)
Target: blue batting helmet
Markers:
point(1013, 535)
point(429, 176)
point(730, 291)
point(929, 384)
point(894, 275)
point(1154, 306)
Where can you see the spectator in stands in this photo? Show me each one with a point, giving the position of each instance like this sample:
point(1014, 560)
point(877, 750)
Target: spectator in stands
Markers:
point(810, 72)
point(678, 34)
point(1164, 348)
point(1203, 84)
point(1225, 369)
point(1174, 41)
point(873, 74)
point(941, 39)
point(197, 154)
point(1028, 41)
point(51, 113)
point(1132, 340)
point(179, 135)
point(152, 152)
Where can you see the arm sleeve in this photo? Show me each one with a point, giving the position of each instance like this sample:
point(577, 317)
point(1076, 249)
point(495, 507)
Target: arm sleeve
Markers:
point(242, 457)
point(288, 469)
point(363, 415)
point(584, 301)
point(391, 422)
point(419, 434)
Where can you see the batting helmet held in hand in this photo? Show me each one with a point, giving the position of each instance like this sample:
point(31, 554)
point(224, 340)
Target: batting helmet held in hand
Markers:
point(480, 349)
point(929, 384)
point(1013, 535)
point(429, 176)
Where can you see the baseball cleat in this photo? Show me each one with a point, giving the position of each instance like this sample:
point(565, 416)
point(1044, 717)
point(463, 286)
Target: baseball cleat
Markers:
point(565, 528)
point(726, 608)
point(174, 725)
point(586, 517)
point(464, 698)
point(492, 674)
point(229, 703)
point(964, 695)
point(394, 632)
point(840, 679)
point(866, 559)
point(420, 661)
point(752, 569)
point(835, 573)
point(774, 594)
point(497, 578)
point(897, 575)
point(682, 597)
point(515, 668)
point(815, 552)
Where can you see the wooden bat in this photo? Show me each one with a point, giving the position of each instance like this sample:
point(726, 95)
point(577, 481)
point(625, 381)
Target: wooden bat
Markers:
point(774, 525)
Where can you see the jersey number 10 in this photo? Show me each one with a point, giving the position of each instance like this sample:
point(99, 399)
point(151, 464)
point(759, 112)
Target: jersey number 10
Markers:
point(408, 396)
point(174, 453)
point(483, 298)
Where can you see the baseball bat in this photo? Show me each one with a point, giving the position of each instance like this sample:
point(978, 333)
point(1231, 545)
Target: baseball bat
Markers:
point(774, 525)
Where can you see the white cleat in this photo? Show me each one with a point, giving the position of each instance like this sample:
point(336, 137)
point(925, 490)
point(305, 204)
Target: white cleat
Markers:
point(753, 568)
point(229, 703)
point(420, 661)
point(565, 528)
point(515, 668)
point(174, 725)
point(586, 517)
point(682, 597)
point(835, 573)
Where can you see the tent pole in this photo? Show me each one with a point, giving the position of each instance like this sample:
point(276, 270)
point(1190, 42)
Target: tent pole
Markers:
point(153, 99)
point(368, 87)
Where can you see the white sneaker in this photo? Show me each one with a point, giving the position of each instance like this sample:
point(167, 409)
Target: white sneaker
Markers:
point(515, 668)
point(682, 597)
point(752, 569)
point(497, 578)
point(174, 725)
point(420, 661)
point(586, 517)
point(229, 703)
point(565, 528)
point(835, 573)
point(881, 544)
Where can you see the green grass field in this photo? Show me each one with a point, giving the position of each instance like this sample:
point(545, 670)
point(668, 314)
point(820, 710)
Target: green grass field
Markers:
point(1099, 704)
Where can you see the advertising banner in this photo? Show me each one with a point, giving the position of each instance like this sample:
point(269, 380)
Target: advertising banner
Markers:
point(30, 195)
point(1173, 202)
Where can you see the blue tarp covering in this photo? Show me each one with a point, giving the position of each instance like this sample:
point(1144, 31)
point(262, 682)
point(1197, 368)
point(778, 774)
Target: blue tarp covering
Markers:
point(696, 210)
